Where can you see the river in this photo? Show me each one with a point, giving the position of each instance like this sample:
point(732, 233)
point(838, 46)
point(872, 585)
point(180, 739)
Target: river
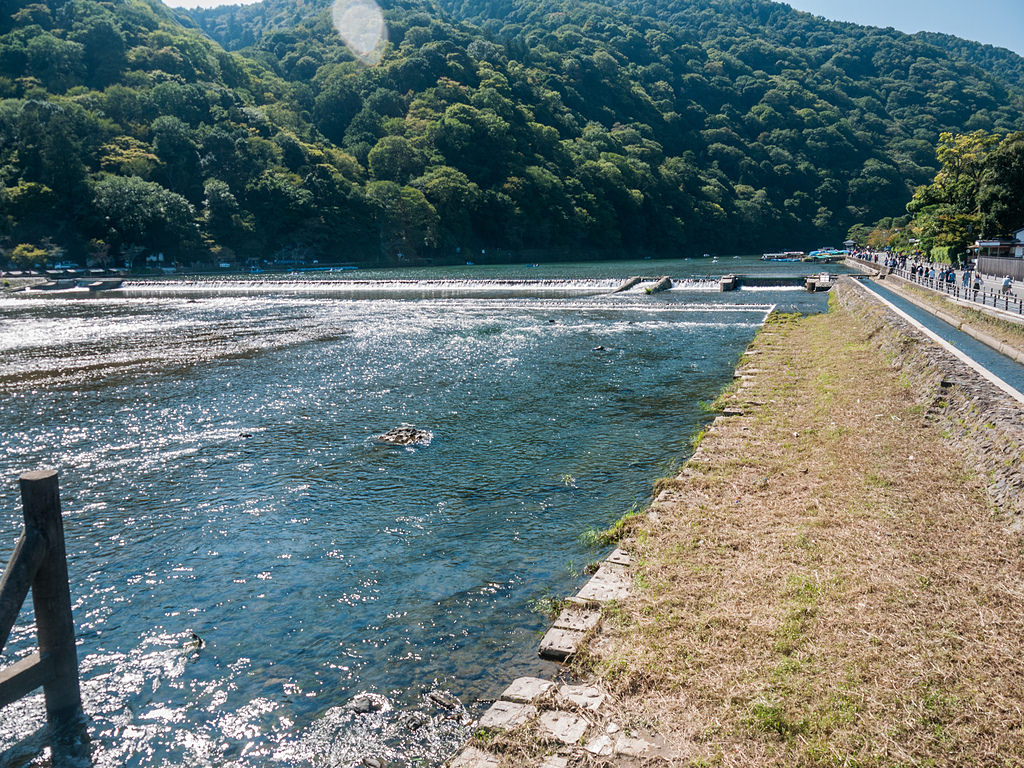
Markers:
point(220, 480)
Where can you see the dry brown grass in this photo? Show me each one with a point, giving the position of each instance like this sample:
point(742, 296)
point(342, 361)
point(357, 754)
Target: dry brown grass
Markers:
point(827, 585)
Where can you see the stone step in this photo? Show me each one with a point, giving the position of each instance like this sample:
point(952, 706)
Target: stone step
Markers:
point(578, 618)
point(527, 690)
point(611, 582)
point(562, 726)
point(504, 715)
point(560, 644)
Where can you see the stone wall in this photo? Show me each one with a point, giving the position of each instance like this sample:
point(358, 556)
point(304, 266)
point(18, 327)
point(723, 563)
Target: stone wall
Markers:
point(984, 422)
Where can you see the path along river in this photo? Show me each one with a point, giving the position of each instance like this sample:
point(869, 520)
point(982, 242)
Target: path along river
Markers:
point(219, 477)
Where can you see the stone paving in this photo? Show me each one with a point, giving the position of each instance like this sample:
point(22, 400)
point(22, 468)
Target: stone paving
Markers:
point(571, 723)
point(581, 616)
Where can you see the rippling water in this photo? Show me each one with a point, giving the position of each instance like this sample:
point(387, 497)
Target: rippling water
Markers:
point(219, 476)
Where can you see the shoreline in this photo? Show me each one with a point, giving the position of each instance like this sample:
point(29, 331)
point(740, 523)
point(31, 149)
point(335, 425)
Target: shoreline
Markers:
point(833, 498)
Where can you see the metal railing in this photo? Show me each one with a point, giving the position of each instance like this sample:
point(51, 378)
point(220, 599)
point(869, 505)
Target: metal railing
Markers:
point(39, 565)
point(987, 297)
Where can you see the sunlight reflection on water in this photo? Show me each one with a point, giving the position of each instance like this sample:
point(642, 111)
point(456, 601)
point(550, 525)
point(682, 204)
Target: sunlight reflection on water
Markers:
point(219, 476)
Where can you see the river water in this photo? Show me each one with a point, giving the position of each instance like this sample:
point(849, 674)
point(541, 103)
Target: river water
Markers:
point(220, 480)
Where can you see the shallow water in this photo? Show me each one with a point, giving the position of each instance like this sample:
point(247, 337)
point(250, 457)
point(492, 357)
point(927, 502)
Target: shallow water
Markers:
point(219, 476)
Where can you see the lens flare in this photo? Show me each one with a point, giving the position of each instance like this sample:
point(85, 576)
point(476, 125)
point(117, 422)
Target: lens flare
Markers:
point(361, 25)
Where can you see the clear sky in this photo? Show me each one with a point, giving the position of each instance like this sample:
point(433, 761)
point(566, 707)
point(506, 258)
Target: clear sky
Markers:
point(997, 22)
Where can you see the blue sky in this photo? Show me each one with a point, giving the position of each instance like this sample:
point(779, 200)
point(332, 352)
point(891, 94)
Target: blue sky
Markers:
point(997, 22)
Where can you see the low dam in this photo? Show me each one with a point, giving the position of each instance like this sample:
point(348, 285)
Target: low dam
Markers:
point(419, 289)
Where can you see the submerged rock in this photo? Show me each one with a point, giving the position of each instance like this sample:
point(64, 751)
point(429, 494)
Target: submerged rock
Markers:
point(406, 435)
point(444, 700)
point(365, 703)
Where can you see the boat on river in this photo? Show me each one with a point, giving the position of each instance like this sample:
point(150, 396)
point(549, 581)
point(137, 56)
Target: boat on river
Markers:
point(784, 256)
point(827, 255)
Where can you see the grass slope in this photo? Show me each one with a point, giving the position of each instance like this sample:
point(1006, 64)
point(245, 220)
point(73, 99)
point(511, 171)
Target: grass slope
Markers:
point(827, 582)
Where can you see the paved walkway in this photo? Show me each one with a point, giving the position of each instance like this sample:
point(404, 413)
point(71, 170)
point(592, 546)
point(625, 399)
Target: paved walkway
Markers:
point(989, 299)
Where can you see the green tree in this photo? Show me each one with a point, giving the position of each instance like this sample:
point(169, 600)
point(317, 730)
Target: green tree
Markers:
point(103, 54)
point(394, 158)
point(1001, 193)
point(407, 223)
point(132, 211)
point(946, 212)
point(27, 256)
point(456, 201)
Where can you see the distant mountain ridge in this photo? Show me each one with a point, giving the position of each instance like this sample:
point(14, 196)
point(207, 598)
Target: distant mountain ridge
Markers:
point(545, 127)
point(1000, 62)
point(238, 26)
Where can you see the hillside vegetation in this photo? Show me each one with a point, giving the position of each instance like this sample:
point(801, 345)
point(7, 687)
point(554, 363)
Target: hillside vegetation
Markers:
point(978, 190)
point(555, 127)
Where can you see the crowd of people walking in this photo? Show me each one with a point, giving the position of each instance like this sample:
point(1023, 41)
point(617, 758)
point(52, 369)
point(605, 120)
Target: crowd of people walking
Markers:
point(935, 275)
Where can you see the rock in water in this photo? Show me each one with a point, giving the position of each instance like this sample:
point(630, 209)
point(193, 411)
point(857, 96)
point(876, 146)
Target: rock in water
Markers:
point(406, 435)
point(365, 703)
point(444, 700)
point(663, 284)
point(414, 719)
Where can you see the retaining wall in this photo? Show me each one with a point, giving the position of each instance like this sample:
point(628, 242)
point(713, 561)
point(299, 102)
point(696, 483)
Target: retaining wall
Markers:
point(983, 421)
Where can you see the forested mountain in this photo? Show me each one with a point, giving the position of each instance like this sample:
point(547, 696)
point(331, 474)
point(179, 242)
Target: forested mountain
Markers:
point(572, 128)
point(998, 61)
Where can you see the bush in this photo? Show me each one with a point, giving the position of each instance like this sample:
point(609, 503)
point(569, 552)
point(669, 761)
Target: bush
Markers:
point(946, 254)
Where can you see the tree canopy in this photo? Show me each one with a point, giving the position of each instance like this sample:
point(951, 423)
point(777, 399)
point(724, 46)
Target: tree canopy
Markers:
point(506, 125)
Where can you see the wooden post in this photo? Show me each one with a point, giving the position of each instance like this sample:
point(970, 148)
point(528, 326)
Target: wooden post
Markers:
point(51, 596)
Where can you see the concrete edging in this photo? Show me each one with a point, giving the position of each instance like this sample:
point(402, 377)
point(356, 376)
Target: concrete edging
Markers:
point(1011, 352)
point(945, 345)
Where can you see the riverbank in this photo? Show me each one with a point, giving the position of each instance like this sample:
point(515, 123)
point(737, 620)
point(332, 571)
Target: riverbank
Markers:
point(836, 576)
point(829, 578)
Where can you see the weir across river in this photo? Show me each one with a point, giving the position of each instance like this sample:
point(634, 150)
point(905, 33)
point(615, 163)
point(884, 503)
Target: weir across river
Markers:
point(430, 289)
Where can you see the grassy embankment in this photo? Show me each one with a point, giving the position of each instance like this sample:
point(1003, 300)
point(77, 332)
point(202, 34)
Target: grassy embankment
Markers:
point(827, 582)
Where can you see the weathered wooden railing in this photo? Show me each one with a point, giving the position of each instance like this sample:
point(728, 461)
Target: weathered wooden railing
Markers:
point(39, 564)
